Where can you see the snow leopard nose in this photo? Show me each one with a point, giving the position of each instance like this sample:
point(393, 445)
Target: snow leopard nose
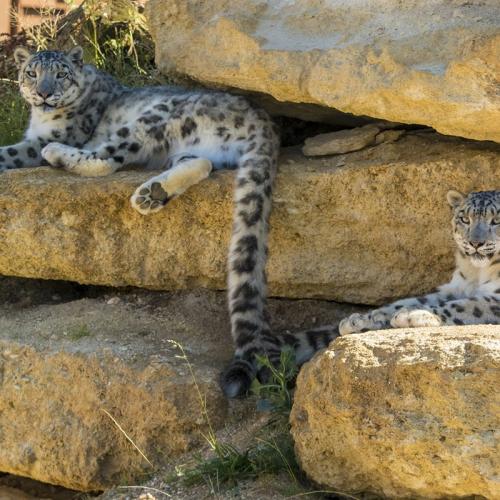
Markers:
point(476, 244)
point(44, 93)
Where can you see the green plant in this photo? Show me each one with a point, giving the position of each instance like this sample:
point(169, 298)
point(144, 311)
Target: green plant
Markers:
point(271, 451)
point(276, 393)
point(13, 113)
point(78, 332)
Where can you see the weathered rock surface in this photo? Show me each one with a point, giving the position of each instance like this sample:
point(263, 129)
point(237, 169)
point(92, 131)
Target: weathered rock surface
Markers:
point(62, 368)
point(389, 136)
point(363, 228)
point(433, 62)
point(65, 360)
point(343, 141)
point(403, 414)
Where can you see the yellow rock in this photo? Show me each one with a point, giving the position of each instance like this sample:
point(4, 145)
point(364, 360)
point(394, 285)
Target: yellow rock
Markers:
point(433, 62)
point(77, 378)
point(403, 413)
point(364, 227)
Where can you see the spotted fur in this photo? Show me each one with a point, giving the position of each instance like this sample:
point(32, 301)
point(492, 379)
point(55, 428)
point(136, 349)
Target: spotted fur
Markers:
point(89, 124)
point(473, 294)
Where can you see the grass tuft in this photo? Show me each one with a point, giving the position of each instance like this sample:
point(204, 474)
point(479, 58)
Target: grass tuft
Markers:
point(271, 451)
point(79, 332)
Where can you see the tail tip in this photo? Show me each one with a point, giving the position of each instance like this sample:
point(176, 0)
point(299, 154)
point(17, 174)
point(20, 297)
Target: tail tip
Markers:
point(235, 382)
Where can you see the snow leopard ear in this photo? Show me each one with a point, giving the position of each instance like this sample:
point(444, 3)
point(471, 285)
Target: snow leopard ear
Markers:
point(455, 198)
point(21, 55)
point(76, 56)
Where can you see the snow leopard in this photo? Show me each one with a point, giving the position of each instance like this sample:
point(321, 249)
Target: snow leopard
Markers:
point(471, 297)
point(87, 123)
point(473, 294)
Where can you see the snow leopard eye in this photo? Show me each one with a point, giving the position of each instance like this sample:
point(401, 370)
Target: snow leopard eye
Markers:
point(61, 74)
point(31, 74)
point(496, 220)
point(464, 219)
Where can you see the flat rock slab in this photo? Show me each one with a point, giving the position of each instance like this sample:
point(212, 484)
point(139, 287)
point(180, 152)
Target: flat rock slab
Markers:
point(343, 141)
point(364, 227)
point(339, 224)
point(419, 61)
point(403, 413)
point(68, 368)
point(65, 362)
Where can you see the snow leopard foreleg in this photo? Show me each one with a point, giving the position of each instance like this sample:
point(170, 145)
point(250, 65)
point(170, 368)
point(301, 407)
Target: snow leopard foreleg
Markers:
point(468, 311)
point(246, 263)
point(103, 160)
point(24, 154)
point(155, 193)
point(380, 319)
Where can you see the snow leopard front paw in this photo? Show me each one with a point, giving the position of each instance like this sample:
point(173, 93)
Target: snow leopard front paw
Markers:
point(54, 153)
point(359, 323)
point(412, 318)
point(149, 198)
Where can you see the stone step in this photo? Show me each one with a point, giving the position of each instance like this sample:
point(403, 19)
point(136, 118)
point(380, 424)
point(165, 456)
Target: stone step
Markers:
point(403, 413)
point(68, 370)
point(363, 227)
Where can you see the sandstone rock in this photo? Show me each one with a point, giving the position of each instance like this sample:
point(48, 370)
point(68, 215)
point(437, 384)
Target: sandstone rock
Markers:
point(364, 227)
point(433, 62)
point(389, 136)
point(403, 414)
point(343, 141)
point(68, 368)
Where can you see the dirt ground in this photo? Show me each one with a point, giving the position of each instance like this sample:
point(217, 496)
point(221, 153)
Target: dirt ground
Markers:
point(51, 313)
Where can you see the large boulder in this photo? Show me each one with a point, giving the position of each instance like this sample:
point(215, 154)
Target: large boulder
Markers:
point(403, 414)
point(427, 62)
point(364, 227)
point(80, 378)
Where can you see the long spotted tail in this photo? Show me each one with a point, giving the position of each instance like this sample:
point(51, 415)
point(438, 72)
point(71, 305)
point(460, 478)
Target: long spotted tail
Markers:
point(246, 267)
point(247, 258)
point(305, 344)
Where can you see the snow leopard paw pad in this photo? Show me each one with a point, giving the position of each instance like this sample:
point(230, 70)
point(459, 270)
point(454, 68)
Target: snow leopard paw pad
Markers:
point(149, 198)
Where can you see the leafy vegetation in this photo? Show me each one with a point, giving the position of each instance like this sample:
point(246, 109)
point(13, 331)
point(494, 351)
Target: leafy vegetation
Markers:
point(13, 113)
point(271, 451)
point(78, 332)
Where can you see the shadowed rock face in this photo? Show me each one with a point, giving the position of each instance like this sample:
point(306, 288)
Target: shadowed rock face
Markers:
point(403, 413)
point(364, 227)
point(425, 62)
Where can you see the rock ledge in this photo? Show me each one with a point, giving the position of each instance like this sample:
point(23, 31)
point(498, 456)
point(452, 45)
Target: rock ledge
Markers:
point(338, 223)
